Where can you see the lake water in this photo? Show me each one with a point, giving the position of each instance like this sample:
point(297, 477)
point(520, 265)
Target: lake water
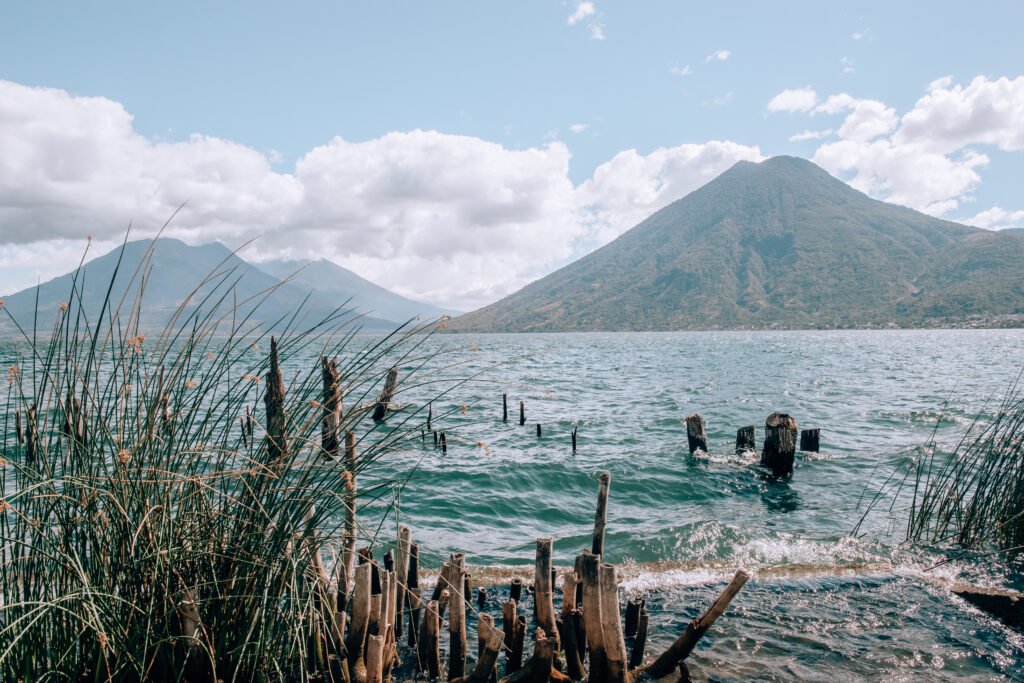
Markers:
point(822, 605)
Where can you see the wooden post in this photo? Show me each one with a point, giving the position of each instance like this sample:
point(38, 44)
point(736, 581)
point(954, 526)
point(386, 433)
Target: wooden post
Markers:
point(779, 444)
point(543, 594)
point(415, 613)
point(504, 407)
point(516, 589)
point(696, 436)
point(273, 402)
point(633, 609)
point(745, 440)
point(457, 629)
point(375, 659)
point(360, 613)
point(402, 572)
point(809, 439)
point(331, 407)
point(592, 609)
point(435, 439)
point(349, 542)
point(538, 430)
point(542, 660)
point(488, 646)
point(601, 517)
point(522, 413)
point(518, 639)
point(570, 631)
point(430, 417)
point(684, 644)
point(574, 438)
point(380, 411)
point(508, 623)
point(611, 625)
point(430, 652)
point(467, 588)
point(569, 581)
point(444, 443)
point(17, 427)
point(31, 434)
point(481, 598)
point(636, 656)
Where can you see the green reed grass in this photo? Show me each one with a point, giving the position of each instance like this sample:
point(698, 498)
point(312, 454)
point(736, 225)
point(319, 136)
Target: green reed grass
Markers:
point(141, 479)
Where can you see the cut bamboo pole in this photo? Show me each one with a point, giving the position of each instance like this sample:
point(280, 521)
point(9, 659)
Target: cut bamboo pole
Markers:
point(684, 644)
point(611, 624)
point(360, 613)
point(601, 516)
point(591, 579)
point(636, 656)
point(375, 659)
point(543, 597)
point(457, 631)
point(430, 652)
point(380, 411)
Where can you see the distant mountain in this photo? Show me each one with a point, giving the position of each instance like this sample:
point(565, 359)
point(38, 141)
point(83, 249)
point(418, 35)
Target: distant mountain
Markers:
point(338, 284)
point(779, 244)
point(171, 274)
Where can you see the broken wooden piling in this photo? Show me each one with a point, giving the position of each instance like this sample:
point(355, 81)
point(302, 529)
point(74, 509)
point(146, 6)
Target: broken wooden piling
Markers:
point(387, 394)
point(779, 444)
point(592, 621)
point(636, 655)
point(696, 436)
point(538, 430)
point(444, 443)
point(331, 407)
point(611, 624)
point(809, 440)
point(543, 594)
point(632, 622)
point(273, 402)
point(574, 438)
point(457, 628)
point(504, 407)
point(745, 440)
point(522, 413)
point(601, 516)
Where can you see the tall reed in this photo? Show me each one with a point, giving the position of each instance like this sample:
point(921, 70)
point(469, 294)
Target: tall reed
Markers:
point(155, 524)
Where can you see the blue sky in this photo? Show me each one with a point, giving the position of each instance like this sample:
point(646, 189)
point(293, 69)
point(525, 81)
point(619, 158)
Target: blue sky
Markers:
point(280, 81)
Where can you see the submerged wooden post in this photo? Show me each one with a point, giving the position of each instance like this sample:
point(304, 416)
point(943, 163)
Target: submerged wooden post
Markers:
point(17, 427)
point(331, 407)
point(543, 593)
point(430, 417)
point(522, 413)
point(273, 402)
point(696, 436)
point(444, 443)
point(489, 642)
point(574, 438)
point(504, 407)
point(380, 411)
point(457, 629)
point(633, 609)
point(636, 656)
point(745, 440)
point(601, 517)
point(592, 611)
point(31, 434)
point(360, 613)
point(515, 661)
point(779, 444)
point(481, 598)
point(402, 572)
point(430, 652)
point(611, 624)
point(538, 430)
point(684, 644)
point(570, 643)
point(516, 589)
point(809, 440)
point(508, 623)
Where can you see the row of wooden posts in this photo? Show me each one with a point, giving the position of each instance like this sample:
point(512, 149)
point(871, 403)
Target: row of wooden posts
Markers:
point(779, 450)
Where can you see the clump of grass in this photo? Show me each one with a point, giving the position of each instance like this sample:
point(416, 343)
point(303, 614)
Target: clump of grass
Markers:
point(154, 522)
point(973, 495)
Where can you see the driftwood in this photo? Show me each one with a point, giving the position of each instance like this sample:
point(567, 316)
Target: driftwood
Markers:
point(684, 644)
point(779, 444)
point(696, 436)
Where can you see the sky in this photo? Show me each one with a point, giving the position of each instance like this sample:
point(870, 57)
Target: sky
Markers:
point(455, 151)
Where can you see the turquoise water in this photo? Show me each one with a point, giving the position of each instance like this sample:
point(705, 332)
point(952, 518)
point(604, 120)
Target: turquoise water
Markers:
point(822, 604)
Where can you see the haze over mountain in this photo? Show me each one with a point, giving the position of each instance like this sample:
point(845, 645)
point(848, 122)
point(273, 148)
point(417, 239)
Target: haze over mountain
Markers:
point(172, 273)
point(331, 280)
point(779, 244)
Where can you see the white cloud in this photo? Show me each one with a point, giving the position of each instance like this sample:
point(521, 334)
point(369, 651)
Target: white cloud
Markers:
point(795, 99)
point(847, 64)
point(578, 128)
point(582, 11)
point(681, 71)
point(596, 30)
point(997, 218)
point(447, 218)
point(867, 120)
point(631, 186)
point(810, 135)
point(718, 56)
point(862, 35)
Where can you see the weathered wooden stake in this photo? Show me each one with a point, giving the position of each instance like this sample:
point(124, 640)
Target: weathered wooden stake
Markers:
point(380, 411)
point(360, 613)
point(481, 598)
point(543, 594)
point(349, 540)
point(273, 401)
point(696, 436)
point(435, 439)
point(522, 413)
point(611, 624)
point(809, 439)
point(430, 651)
point(516, 589)
point(17, 427)
point(538, 430)
point(745, 440)
point(636, 656)
point(331, 407)
point(601, 517)
point(515, 661)
point(574, 438)
point(402, 572)
point(457, 630)
point(444, 443)
point(375, 659)
point(779, 444)
point(684, 644)
point(504, 407)
point(508, 623)
point(31, 434)
point(570, 631)
point(633, 609)
point(592, 610)
point(430, 417)
point(489, 645)
point(569, 581)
